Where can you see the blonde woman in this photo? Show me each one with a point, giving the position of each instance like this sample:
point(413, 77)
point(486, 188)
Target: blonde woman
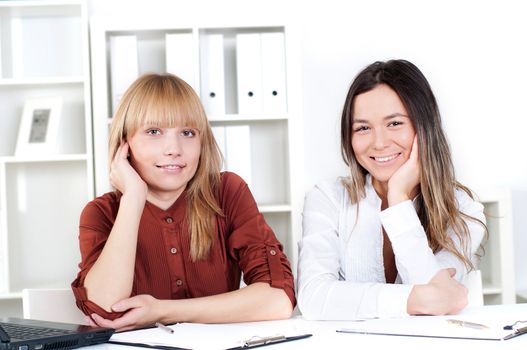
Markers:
point(399, 234)
point(171, 243)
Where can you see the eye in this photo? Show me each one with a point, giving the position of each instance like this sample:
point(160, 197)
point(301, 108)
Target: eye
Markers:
point(153, 132)
point(395, 123)
point(189, 133)
point(361, 128)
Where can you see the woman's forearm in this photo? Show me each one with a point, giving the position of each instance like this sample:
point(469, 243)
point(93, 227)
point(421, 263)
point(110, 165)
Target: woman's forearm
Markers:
point(256, 302)
point(111, 277)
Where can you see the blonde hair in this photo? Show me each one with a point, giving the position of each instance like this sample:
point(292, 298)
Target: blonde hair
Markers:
point(165, 100)
point(436, 204)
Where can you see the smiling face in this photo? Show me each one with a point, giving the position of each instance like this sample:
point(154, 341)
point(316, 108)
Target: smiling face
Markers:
point(165, 158)
point(382, 133)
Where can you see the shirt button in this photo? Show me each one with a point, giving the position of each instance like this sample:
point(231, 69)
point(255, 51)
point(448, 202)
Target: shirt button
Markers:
point(272, 252)
point(173, 250)
point(169, 220)
point(179, 282)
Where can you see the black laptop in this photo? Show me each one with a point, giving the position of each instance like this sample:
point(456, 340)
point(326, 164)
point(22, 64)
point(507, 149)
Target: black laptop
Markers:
point(22, 334)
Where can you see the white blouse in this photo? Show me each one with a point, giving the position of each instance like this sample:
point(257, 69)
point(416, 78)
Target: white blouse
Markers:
point(341, 265)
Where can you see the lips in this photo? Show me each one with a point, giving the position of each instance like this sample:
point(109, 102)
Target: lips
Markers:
point(171, 166)
point(385, 159)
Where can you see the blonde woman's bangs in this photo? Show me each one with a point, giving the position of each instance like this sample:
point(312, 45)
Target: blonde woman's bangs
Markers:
point(165, 106)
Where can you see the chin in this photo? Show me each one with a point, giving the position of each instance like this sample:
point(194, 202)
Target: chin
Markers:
point(382, 177)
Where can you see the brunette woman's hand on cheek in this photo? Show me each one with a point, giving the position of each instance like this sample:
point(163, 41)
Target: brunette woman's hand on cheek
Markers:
point(404, 181)
point(141, 310)
point(124, 177)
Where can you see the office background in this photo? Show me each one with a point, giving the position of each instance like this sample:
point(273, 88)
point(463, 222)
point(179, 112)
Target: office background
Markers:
point(472, 52)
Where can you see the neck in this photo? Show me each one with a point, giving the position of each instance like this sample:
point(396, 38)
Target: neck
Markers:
point(381, 188)
point(162, 200)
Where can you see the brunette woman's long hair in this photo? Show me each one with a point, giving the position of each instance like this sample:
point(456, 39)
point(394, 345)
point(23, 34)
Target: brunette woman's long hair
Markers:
point(436, 204)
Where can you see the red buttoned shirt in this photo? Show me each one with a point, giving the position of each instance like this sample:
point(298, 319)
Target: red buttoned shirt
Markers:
point(163, 267)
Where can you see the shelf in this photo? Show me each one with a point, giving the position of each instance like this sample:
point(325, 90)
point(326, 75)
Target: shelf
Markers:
point(239, 117)
point(37, 3)
point(522, 294)
point(491, 289)
point(41, 81)
point(43, 52)
point(50, 158)
point(279, 208)
point(9, 296)
point(246, 117)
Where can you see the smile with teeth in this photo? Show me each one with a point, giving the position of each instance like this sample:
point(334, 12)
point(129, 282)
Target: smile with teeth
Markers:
point(386, 158)
point(170, 166)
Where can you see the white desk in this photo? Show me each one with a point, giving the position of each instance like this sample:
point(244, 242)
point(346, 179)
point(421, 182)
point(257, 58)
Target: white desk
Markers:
point(326, 337)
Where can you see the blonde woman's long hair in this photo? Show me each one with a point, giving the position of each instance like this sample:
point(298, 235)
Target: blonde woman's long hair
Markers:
point(436, 205)
point(165, 100)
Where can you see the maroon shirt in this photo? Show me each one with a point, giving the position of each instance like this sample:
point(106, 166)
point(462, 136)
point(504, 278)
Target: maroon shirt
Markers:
point(163, 266)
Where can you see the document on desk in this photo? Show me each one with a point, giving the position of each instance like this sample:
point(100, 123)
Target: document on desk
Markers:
point(212, 336)
point(457, 327)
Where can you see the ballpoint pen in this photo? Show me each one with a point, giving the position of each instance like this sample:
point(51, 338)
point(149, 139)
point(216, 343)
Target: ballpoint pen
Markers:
point(165, 328)
point(467, 324)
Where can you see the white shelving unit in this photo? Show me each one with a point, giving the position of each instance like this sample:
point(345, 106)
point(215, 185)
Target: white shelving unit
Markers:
point(497, 264)
point(275, 138)
point(43, 53)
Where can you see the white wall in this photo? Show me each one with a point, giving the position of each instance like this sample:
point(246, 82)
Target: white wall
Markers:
point(473, 53)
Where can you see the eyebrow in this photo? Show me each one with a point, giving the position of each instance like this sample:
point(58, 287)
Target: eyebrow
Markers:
point(388, 117)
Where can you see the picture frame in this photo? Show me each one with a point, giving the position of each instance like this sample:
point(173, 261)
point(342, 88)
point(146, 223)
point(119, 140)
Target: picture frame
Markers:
point(39, 126)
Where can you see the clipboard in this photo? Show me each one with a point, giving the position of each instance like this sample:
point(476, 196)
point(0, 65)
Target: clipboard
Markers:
point(231, 336)
point(433, 327)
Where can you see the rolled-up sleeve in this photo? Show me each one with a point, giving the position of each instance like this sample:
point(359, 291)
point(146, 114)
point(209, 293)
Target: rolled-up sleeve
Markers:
point(94, 230)
point(252, 242)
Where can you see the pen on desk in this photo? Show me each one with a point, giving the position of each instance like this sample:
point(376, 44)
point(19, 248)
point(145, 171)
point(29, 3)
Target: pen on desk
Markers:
point(165, 328)
point(467, 324)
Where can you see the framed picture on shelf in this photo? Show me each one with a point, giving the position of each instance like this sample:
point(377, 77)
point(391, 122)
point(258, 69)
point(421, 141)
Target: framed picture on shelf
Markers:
point(39, 126)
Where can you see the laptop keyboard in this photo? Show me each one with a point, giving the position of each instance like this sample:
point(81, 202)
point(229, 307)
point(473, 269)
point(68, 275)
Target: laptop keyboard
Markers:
point(18, 331)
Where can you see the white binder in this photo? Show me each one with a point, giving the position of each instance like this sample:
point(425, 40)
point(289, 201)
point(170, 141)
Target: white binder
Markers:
point(124, 66)
point(249, 72)
point(273, 73)
point(238, 151)
point(17, 47)
point(179, 56)
point(212, 74)
point(219, 136)
point(1, 76)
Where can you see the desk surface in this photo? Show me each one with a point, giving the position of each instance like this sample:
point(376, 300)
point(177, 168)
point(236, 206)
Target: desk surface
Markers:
point(325, 335)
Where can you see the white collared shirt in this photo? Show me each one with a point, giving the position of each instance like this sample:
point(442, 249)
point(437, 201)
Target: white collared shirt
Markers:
point(341, 266)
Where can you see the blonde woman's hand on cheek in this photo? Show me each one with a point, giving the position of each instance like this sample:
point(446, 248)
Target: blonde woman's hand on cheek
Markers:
point(123, 176)
point(404, 181)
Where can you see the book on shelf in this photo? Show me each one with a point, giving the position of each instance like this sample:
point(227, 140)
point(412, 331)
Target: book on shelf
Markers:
point(219, 136)
point(273, 72)
point(249, 72)
point(261, 72)
point(124, 66)
point(212, 73)
point(179, 56)
point(234, 142)
point(238, 151)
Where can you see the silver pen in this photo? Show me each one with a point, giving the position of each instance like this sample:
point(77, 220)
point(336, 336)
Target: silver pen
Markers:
point(467, 324)
point(165, 328)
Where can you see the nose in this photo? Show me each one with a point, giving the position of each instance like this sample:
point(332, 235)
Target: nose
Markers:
point(380, 139)
point(172, 146)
